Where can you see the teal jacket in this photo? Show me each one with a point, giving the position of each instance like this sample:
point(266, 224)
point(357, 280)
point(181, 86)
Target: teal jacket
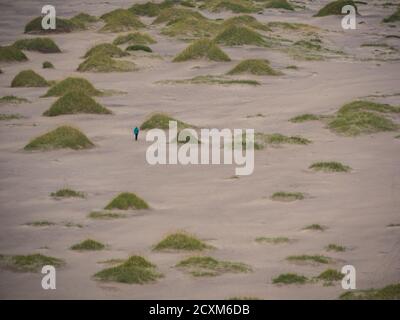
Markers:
point(136, 131)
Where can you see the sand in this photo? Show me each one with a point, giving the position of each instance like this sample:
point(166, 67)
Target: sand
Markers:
point(204, 200)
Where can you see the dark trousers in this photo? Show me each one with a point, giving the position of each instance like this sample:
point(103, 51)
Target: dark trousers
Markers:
point(136, 136)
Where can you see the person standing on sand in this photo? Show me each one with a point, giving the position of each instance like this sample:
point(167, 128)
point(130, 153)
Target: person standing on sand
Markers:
point(136, 132)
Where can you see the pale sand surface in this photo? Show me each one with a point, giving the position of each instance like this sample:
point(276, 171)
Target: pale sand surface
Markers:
point(227, 213)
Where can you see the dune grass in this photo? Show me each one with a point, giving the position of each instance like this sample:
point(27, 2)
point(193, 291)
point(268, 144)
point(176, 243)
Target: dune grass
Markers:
point(335, 247)
point(107, 49)
point(149, 9)
point(278, 4)
point(393, 225)
point(290, 278)
point(43, 45)
point(10, 116)
point(202, 266)
point(11, 54)
point(315, 227)
point(62, 26)
point(304, 117)
point(236, 6)
point(274, 240)
point(120, 20)
point(104, 215)
point(72, 84)
point(127, 200)
point(287, 196)
point(181, 241)
point(40, 223)
point(28, 263)
point(203, 48)
point(330, 275)
point(236, 35)
point(134, 38)
point(88, 245)
point(277, 138)
point(47, 65)
point(101, 62)
point(161, 121)
point(259, 67)
point(67, 193)
point(138, 47)
point(190, 27)
point(246, 21)
point(170, 15)
point(310, 258)
point(75, 102)
point(214, 80)
point(334, 8)
point(12, 100)
point(135, 269)
point(60, 138)
point(29, 78)
point(394, 17)
point(331, 166)
point(83, 20)
point(390, 292)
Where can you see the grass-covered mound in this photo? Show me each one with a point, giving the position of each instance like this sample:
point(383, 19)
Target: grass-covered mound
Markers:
point(72, 84)
point(43, 45)
point(315, 227)
point(247, 21)
point(335, 247)
point(134, 38)
point(236, 6)
point(330, 275)
point(310, 258)
point(171, 15)
point(234, 35)
point(67, 193)
point(202, 49)
point(120, 20)
point(28, 263)
point(278, 4)
point(149, 9)
point(304, 117)
point(40, 223)
point(261, 140)
point(334, 8)
point(61, 138)
point(290, 278)
point(29, 78)
point(127, 200)
point(161, 121)
point(107, 49)
point(47, 65)
point(362, 117)
point(331, 166)
point(213, 80)
point(12, 100)
point(88, 245)
point(105, 215)
point(83, 20)
point(191, 27)
point(287, 196)
point(11, 53)
point(103, 63)
point(134, 270)
point(394, 17)
point(62, 26)
point(259, 67)
point(390, 292)
point(138, 47)
point(12, 116)
point(200, 266)
point(181, 241)
point(74, 102)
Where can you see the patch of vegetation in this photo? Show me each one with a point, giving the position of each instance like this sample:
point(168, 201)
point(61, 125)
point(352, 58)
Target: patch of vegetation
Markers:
point(331, 166)
point(74, 102)
point(28, 263)
point(390, 292)
point(246, 21)
point(277, 138)
point(149, 9)
point(335, 247)
point(181, 241)
point(394, 17)
point(127, 200)
point(139, 47)
point(103, 63)
point(330, 275)
point(12, 100)
point(391, 225)
point(290, 278)
point(40, 223)
point(209, 79)
point(170, 15)
point(120, 20)
point(72, 84)
point(292, 26)
point(43, 45)
point(191, 27)
point(200, 266)
point(47, 65)
point(62, 26)
point(88, 245)
point(104, 215)
point(236, 6)
point(287, 196)
point(62, 137)
point(310, 258)
point(315, 227)
point(335, 8)
point(134, 38)
point(12, 116)
point(67, 193)
point(72, 225)
point(83, 20)
point(235, 35)
point(276, 240)
point(203, 48)
point(293, 67)
point(278, 4)
point(259, 67)
point(305, 117)
point(161, 121)
point(134, 270)
point(107, 49)
point(29, 78)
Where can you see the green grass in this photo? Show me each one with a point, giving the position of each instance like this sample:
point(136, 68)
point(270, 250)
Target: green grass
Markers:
point(213, 80)
point(315, 227)
point(72, 84)
point(310, 258)
point(62, 26)
point(275, 240)
point(161, 121)
point(29, 78)
point(394, 17)
point(334, 8)
point(134, 270)
point(236, 35)
point(107, 49)
point(304, 117)
point(277, 138)
point(291, 26)
point(103, 215)
point(259, 67)
point(83, 20)
point(190, 27)
point(75, 102)
point(88, 245)
point(28, 263)
point(335, 247)
point(12, 116)
point(67, 193)
point(148, 9)
point(236, 6)
point(246, 21)
point(43, 45)
point(200, 266)
point(127, 200)
point(202, 49)
point(120, 20)
point(180, 241)
point(287, 196)
point(278, 4)
point(331, 166)
point(290, 278)
point(390, 292)
point(60, 138)
point(139, 47)
point(12, 100)
point(170, 15)
point(11, 54)
point(330, 275)
point(103, 63)
point(134, 38)
point(47, 65)
point(40, 223)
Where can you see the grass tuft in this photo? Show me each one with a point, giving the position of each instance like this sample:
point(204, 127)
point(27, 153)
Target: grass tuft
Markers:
point(287, 196)
point(331, 166)
point(202, 48)
point(11, 54)
point(28, 263)
point(330, 275)
point(139, 47)
point(315, 227)
point(67, 193)
point(43, 45)
point(72, 84)
point(246, 21)
point(236, 6)
point(259, 67)
point(276, 240)
point(83, 20)
point(304, 117)
point(181, 241)
point(390, 292)
point(120, 20)
point(127, 200)
point(103, 215)
point(236, 35)
point(161, 121)
point(12, 116)
point(107, 49)
point(62, 26)
point(47, 65)
point(103, 63)
point(218, 80)
point(309, 258)
point(278, 4)
point(88, 245)
point(29, 78)
point(40, 223)
point(289, 278)
point(394, 17)
point(134, 38)
point(335, 247)
point(334, 8)
point(149, 9)
point(12, 100)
